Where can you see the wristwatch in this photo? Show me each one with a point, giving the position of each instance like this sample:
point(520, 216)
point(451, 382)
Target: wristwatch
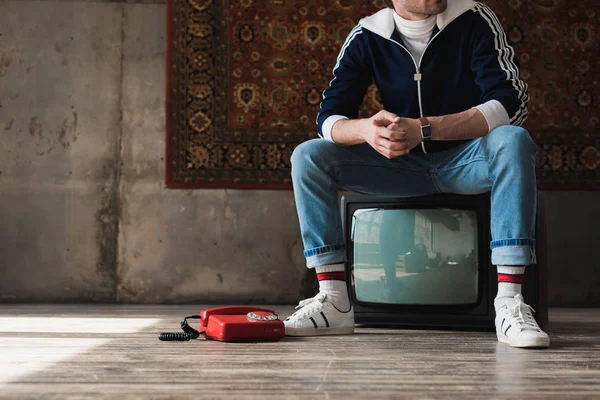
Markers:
point(425, 129)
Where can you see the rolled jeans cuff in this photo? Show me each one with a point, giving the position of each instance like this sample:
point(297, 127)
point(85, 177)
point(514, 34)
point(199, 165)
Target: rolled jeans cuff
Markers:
point(514, 255)
point(325, 255)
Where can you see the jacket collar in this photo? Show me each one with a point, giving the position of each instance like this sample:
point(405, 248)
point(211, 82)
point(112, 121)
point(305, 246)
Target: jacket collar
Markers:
point(382, 22)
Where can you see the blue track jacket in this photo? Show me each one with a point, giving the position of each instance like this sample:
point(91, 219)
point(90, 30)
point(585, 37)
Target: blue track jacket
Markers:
point(467, 62)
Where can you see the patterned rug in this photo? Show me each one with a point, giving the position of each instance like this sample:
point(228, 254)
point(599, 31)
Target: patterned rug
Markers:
point(245, 79)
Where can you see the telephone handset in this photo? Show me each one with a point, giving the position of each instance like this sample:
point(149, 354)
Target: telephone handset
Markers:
point(232, 324)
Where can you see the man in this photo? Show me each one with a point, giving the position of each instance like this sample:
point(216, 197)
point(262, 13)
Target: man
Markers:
point(453, 106)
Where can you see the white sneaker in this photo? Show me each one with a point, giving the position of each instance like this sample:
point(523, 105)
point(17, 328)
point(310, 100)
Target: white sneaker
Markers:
point(318, 316)
point(516, 326)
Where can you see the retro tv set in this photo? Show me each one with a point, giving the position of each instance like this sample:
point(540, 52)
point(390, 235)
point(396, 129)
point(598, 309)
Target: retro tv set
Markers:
point(426, 262)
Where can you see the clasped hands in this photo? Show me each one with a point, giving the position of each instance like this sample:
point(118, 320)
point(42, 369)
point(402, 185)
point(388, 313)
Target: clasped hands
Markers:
point(391, 135)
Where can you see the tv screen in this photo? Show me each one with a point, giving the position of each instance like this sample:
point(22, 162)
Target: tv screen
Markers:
point(415, 256)
point(426, 261)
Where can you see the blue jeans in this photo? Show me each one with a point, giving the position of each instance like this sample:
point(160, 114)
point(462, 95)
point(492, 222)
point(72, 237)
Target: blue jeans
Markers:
point(502, 162)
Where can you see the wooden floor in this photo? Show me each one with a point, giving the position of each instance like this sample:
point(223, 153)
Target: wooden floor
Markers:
point(113, 352)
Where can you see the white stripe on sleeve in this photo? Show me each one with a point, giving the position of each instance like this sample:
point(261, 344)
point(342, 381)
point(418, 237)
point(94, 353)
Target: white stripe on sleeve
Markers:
point(353, 33)
point(506, 61)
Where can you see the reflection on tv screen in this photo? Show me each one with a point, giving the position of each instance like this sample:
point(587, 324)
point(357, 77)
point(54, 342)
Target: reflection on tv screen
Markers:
point(415, 256)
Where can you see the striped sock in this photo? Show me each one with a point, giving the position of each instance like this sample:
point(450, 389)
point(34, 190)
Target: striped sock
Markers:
point(332, 281)
point(510, 280)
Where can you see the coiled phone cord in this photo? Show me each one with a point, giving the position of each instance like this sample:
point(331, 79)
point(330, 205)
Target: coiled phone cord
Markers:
point(188, 333)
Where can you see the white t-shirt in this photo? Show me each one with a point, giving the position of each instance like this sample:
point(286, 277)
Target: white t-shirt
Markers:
point(416, 34)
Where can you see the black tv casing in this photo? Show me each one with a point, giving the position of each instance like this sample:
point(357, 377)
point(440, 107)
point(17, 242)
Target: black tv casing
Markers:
point(479, 315)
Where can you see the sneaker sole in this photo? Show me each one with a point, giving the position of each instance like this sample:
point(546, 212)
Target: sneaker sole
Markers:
point(345, 330)
point(525, 342)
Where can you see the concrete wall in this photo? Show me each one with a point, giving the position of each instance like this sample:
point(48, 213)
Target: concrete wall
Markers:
point(84, 212)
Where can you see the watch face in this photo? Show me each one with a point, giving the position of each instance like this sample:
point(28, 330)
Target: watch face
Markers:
point(426, 132)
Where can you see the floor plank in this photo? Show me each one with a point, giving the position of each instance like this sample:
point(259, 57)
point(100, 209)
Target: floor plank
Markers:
point(112, 351)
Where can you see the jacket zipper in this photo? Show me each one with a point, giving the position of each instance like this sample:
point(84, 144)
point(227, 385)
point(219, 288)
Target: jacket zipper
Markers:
point(417, 75)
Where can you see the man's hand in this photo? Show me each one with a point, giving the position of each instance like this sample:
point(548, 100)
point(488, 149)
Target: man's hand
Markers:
point(391, 135)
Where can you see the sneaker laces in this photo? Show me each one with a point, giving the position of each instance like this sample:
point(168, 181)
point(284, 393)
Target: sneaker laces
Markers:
point(522, 314)
point(310, 306)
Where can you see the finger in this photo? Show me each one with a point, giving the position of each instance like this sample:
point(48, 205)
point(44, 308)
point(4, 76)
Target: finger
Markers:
point(392, 154)
point(391, 149)
point(390, 144)
point(381, 143)
point(399, 153)
point(395, 146)
point(382, 132)
point(398, 136)
point(384, 118)
point(392, 127)
point(381, 122)
point(388, 115)
point(397, 127)
point(385, 152)
point(390, 134)
point(382, 146)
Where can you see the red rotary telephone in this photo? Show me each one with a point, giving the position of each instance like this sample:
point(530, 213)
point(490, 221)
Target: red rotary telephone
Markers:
point(232, 324)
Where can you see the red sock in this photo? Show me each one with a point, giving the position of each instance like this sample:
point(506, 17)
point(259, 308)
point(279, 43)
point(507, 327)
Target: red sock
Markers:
point(331, 276)
point(332, 281)
point(510, 280)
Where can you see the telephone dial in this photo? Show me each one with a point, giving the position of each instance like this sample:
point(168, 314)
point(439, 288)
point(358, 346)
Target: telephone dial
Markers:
point(231, 324)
